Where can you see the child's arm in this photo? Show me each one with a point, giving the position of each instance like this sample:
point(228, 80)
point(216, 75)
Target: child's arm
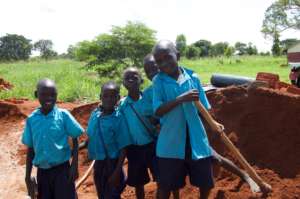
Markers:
point(114, 179)
point(74, 165)
point(28, 181)
point(189, 96)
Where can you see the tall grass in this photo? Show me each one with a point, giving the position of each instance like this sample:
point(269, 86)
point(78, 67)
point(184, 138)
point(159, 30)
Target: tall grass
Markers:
point(74, 82)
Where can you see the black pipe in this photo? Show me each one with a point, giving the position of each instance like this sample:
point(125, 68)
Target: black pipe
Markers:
point(221, 80)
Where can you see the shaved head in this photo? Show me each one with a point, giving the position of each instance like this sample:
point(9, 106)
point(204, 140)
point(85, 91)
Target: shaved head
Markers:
point(45, 83)
point(164, 45)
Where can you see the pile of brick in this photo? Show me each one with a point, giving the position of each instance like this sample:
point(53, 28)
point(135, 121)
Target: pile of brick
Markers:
point(274, 82)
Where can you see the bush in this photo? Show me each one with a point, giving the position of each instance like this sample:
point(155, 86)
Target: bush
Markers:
point(192, 52)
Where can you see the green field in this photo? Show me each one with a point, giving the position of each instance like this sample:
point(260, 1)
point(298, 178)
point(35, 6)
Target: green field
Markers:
point(75, 83)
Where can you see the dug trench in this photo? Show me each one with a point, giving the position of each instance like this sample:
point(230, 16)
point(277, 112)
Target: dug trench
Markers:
point(263, 124)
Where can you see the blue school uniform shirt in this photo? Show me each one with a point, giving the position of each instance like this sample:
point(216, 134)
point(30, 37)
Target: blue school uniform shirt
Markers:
point(48, 136)
point(137, 131)
point(110, 130)
point(148, 97)
point(172, 137)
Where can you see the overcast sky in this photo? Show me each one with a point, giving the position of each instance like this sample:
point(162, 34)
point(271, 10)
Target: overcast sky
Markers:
point(67, 22)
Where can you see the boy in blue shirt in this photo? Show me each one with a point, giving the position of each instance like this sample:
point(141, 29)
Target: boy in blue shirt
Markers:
point(182, 146)
point(141, 153)
point(106, 141)
point(151, 69)
point(46, 136)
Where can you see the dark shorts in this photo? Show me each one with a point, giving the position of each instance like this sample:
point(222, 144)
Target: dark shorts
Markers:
point(53, 183)
point(172, 172)
point(140, 158)
point(102, 171)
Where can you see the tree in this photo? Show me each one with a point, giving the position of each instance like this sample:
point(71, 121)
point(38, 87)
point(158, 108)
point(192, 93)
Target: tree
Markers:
point(14, 47)
point(276, 50)
point(251, 49)
point(192, 52)
point(218, 48)
point(134, 41)
point(229, 51)
point(181, 44)
point(45, 48)
point(280, 16)
point(123, 46)
point(241, 48)
point(205, 47)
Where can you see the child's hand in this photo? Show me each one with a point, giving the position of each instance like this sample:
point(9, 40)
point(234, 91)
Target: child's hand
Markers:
point(220, 127)
point(73, 175)
point(189, 96)
point(114, 179)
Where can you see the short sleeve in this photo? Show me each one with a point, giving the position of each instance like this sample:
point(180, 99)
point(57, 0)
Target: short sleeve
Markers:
point(123, 137)
point(27, 135)
point(202, 95)
point(157, 94)
point(72, 127)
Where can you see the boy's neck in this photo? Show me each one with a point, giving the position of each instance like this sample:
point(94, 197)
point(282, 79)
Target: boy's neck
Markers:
point(46, 112)
point(107, 111)
point(176, 74)
point(135, 95)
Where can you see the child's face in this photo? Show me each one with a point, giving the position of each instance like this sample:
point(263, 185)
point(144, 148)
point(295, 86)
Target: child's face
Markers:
point(109, 97)
point(166, 61)
point(132, 80)
point(150, 68)
point(47, 96)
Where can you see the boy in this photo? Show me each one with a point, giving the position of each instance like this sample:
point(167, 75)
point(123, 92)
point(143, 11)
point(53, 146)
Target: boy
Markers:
point(151, 69)
point(46, 136)
point(141, 153)
point(106, 138)
point(182, 146)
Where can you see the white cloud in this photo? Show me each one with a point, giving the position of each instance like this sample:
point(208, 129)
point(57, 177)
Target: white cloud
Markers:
point(66, 22)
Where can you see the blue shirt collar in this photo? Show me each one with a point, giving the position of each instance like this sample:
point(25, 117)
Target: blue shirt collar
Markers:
point(129, 100)
point(167, 78)
point(50, 114)
point(99, 113)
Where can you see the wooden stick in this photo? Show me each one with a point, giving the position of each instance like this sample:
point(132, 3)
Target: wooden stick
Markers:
point(85, 176)
point(232, 148)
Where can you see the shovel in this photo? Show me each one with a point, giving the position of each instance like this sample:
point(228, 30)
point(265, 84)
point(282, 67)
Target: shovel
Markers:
point(85, 176)
point(252, 173)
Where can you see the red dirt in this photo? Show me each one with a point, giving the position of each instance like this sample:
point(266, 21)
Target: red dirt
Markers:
point(4, 85)
point(262, 123)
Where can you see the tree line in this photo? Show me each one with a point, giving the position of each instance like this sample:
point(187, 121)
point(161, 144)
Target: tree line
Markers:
point(15, 47)
point(127, 45)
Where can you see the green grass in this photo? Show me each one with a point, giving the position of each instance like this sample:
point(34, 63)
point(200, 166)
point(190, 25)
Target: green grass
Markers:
point(247, 66)
point(74, 82)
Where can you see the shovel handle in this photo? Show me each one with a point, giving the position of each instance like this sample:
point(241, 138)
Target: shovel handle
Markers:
point(85, 176)
point(252, 173)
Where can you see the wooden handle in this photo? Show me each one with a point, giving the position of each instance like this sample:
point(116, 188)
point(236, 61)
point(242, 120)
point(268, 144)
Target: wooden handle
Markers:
point(85, 176)
point(231, 147)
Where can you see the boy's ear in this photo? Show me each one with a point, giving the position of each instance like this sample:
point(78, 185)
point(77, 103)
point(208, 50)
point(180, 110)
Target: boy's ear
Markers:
point(178, 55)
point(35, 94)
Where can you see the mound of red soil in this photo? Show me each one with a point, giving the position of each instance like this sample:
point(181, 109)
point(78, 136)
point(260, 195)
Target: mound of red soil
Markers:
point(83, 112)
point(8, 110)
point(263, 123)
point(4, 85)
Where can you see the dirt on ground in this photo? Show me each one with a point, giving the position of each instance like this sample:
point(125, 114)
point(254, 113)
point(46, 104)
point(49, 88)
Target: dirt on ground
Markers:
point(4, 85)
point(263, 124)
